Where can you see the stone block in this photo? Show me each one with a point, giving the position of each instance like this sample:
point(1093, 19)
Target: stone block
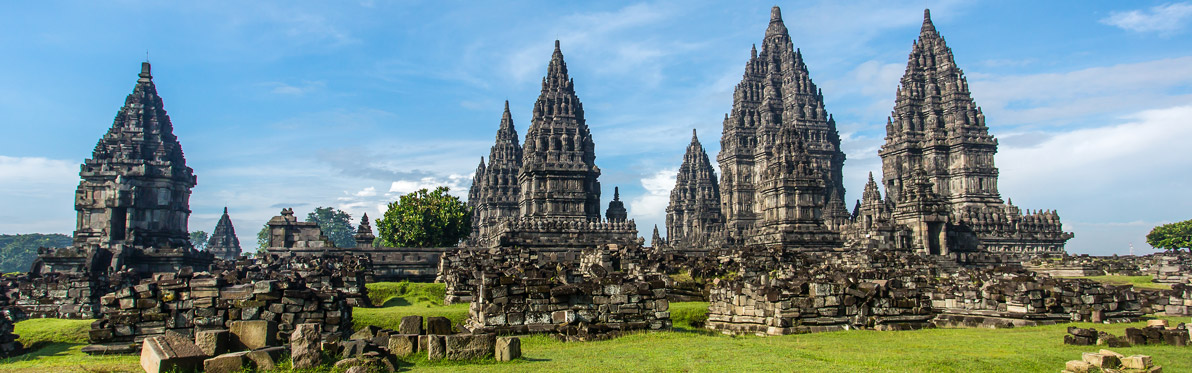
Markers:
point(227, 363)
point(266, 358)
point(1176, 337)
point(403, 344)
point(1078, 366)
point(1101, 360)
point(169, 353)
point(304, 346)
point(367, 332)
point(438, 325)
point(436, 347)
point(470, 346)
point(508, 348)
point(212, 342)
point(1136, 362)
point(253, 334)
point(1157, 322)
point(410, 325)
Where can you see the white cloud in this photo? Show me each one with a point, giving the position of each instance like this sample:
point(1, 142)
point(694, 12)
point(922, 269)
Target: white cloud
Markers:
point(652, 204)
point(37, 194)
point(454, 181)
point(1164, 19)
point(366, 192)
point(1067, 97)
point(1104, 175)
point(298, 89)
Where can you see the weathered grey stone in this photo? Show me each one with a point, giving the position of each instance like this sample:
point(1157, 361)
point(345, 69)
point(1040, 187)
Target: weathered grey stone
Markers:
point(212, 342)
point(304, 346)
point(410, 325)
point(227, 363)
point(469, 346)
point(1102, 361)
point(1078, 366)
point(1136, 362)
point(266, 358)
point(508, 348)
point(170, 352)
point(403, 344)
point(253, 334)
point(438, 325)
point(436, 347)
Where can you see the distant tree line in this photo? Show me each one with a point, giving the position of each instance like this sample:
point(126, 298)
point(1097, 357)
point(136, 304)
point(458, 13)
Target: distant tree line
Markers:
point(18, 251)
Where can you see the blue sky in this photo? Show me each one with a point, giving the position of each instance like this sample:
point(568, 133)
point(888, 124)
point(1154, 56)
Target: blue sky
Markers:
point(349, 104)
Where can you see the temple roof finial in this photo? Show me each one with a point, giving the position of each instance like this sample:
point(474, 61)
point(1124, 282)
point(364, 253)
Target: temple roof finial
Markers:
point(928, 26)
point(145, 75)
point(775, 14)
point(616, 193)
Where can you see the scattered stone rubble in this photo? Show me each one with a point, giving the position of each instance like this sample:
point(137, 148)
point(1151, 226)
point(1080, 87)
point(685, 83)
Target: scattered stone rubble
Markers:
point(8, 315)
point(1109, 361)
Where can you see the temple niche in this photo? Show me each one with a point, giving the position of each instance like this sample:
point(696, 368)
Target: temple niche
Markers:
point(133, 199)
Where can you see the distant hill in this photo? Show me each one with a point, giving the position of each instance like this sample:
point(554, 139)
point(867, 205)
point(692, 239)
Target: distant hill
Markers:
point(18, 251)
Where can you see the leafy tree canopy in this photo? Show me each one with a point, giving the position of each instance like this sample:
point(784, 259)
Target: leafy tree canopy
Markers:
point(425, 219)
point(18, 251)
point(335, 224)
point(199, 239)
point(263, 238)
point(1172, 236)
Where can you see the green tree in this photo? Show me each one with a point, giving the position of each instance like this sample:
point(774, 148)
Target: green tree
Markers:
point(1172, 236)
point(263, 238)
point(199, 239)
point(18, 251)
point(425, 219)
point(335, 224)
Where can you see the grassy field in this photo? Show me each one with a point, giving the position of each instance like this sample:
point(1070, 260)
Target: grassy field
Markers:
point(1141, 282)
point(1033, 349)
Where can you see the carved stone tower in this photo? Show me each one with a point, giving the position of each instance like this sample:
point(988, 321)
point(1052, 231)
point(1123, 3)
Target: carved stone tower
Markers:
point(693, 218)
point(495, 188)
point(775, 92)
point(559, 174)
point(937, 126)
point(224, 244)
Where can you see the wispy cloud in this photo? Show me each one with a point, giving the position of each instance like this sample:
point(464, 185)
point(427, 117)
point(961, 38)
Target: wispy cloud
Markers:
point(651, 206)
point(1065, 97)
point(1165, 19)
point(298, 89)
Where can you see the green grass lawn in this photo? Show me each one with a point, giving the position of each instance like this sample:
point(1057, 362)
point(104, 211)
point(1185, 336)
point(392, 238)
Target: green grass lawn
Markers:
point(1032, 349)
point(1141, 282)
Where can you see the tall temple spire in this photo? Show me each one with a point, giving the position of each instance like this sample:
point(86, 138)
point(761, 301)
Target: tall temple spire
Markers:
point(223, 243)
point(693, 216)
point(928, 27)
point(135, 188)
point(934, 107)
point(496, 185)
point(776, 91)
point(559, 147)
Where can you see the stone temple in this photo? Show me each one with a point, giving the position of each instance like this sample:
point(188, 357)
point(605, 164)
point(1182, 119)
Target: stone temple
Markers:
point(782, 168)
point(133, 201)
point(544, 195)
point(223, 243)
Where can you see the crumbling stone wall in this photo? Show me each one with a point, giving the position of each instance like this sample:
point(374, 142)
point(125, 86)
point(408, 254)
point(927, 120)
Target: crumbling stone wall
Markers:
point(62, 295)
point(515, 291)
point(9, 314)
point(774, 292)
point(1174, 302)
point(188, 302)
point(996, 299)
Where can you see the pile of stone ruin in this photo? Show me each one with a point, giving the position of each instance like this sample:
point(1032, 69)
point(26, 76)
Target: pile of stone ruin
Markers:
point(781, 292)
point(513, 291)
point(257, 345)
point(1110, 361)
